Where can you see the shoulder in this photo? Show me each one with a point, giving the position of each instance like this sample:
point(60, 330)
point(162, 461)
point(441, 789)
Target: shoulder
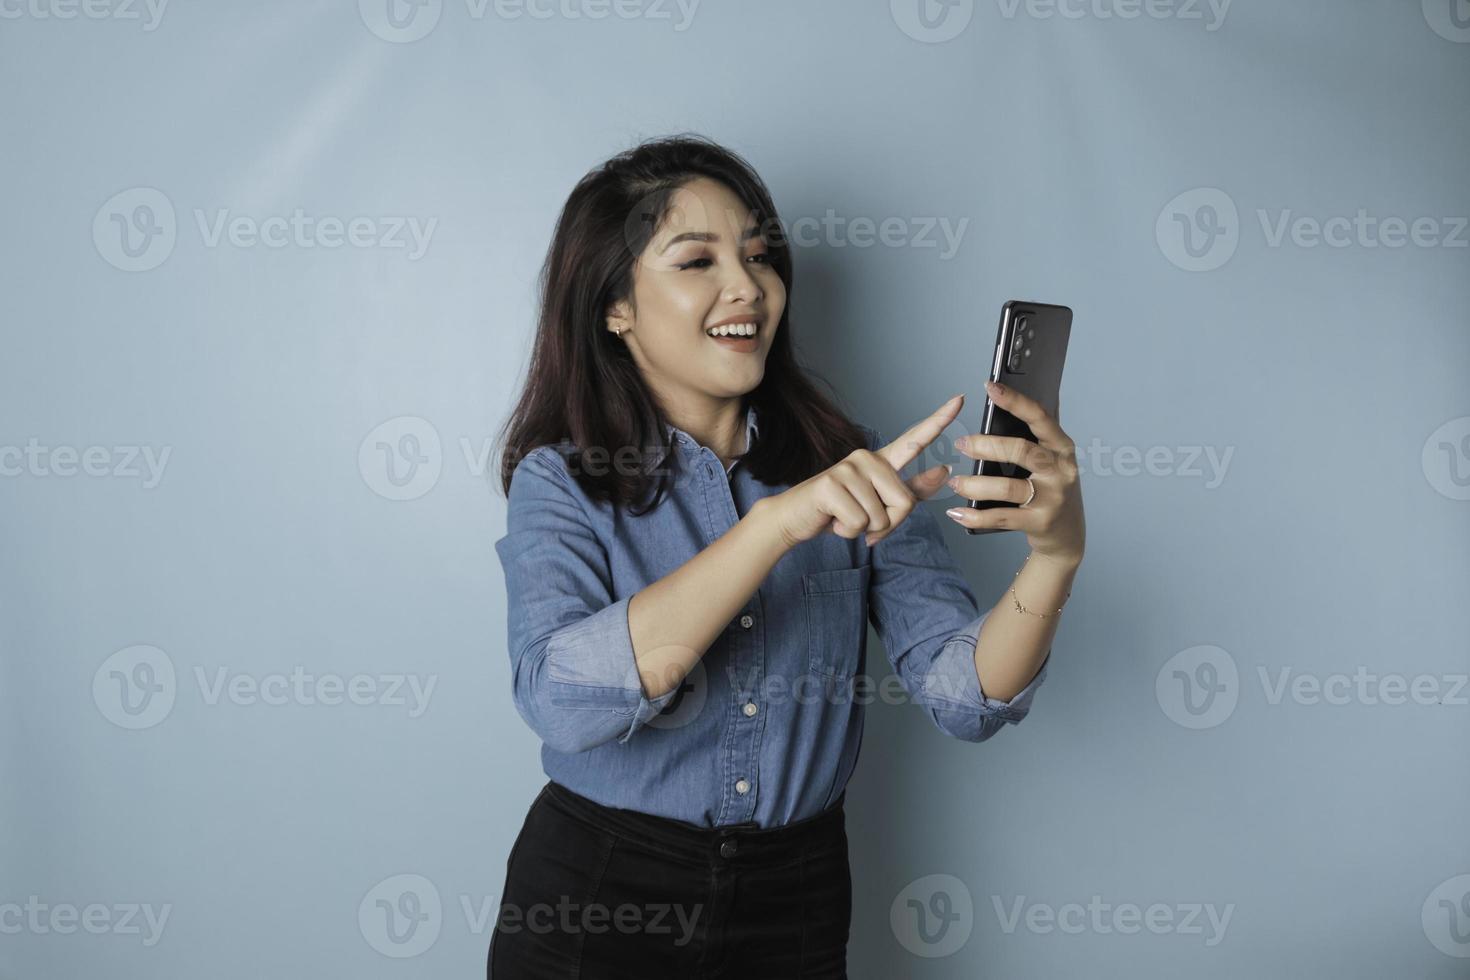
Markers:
point(545, 496)
point(548, 463)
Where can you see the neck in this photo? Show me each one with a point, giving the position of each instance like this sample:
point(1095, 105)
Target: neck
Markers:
point(720, 427)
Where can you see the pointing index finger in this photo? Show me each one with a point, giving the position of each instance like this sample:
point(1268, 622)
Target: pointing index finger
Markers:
point(901, 451)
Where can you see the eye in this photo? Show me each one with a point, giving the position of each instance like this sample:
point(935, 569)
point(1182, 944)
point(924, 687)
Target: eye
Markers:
point(764, 258)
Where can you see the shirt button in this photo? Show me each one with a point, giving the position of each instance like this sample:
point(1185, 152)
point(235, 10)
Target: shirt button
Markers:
point(750, 708)
point(742, 787)
point(727, 849)
point(747, 621)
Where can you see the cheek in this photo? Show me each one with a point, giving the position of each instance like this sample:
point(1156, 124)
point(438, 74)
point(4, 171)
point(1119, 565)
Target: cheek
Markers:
point(684, 303)
point(776, 296)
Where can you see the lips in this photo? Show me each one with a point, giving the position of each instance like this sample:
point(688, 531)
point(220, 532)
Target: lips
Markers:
point(735, 327)
point(739, 343)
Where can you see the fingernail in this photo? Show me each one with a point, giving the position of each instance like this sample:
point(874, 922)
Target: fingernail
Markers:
point(948, 468)
point(955, 512)
point(963, 442)
point(995, 389)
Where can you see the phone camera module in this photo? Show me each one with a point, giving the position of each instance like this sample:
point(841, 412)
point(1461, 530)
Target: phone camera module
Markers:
point(1019, 350)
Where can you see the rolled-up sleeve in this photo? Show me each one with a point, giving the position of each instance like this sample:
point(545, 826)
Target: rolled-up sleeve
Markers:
point(575, 679)
point(929, 622)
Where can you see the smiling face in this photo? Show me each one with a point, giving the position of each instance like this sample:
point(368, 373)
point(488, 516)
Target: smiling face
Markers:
point(706, 265)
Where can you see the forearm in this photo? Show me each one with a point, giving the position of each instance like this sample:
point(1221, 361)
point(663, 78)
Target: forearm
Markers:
point(1013, 645)
point(675, 620)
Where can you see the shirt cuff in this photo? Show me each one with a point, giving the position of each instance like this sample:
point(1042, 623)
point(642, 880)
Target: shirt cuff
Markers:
point(954, 681)
point(591, 663)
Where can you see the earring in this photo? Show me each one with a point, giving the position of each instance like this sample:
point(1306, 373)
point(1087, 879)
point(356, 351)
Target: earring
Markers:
point(619, 331)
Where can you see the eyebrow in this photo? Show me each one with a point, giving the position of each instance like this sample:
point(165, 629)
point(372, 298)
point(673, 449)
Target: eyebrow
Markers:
point(707, 236)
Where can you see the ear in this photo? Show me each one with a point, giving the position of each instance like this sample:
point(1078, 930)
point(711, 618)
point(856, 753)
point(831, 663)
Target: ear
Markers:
point(619, 316)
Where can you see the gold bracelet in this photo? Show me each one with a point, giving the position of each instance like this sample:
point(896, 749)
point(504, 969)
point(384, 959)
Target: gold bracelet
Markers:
point(1017, 600)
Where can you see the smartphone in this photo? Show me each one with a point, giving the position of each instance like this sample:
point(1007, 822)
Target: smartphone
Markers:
point(1030, 346)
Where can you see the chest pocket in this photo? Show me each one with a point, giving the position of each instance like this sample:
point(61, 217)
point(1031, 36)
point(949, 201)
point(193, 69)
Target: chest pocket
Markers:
point(836, 619)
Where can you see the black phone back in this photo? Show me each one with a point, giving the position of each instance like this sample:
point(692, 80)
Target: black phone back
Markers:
point(1030, 349)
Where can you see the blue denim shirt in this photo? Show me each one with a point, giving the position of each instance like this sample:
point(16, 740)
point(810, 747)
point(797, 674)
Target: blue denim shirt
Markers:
point(767, 726)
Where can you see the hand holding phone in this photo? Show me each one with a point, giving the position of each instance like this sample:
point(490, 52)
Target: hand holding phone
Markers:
point(1030, 349)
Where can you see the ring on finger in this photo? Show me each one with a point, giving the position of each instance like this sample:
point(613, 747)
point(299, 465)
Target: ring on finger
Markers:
point(1032, 494)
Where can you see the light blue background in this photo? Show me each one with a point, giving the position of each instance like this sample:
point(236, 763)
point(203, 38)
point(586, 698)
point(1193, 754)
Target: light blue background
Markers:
point(1334, 540)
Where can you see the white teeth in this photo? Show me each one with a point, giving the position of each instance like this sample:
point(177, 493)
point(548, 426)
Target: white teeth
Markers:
point(733, 330)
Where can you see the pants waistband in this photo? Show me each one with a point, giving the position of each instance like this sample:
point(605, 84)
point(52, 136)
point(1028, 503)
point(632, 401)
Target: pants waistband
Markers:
point(745, 843)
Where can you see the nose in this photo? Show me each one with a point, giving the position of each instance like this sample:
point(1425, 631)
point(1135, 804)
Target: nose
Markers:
point(743, 286)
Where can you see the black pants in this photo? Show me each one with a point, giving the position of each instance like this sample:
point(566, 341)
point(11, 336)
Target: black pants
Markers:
point(597, 893)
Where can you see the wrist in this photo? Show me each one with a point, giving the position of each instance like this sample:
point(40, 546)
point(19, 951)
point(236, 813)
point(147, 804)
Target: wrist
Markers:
point(764, 519)
point(1062, 562)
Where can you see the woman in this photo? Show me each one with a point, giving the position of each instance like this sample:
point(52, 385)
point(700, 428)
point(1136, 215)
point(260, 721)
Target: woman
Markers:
point(696, 541)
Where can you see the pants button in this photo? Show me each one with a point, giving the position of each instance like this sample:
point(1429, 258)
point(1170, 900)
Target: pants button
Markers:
point(727, 849)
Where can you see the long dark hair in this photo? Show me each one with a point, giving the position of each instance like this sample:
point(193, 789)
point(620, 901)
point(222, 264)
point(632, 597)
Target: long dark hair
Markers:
point(583, 385)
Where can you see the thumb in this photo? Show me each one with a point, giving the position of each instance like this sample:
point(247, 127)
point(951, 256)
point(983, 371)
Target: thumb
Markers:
point(927, 483)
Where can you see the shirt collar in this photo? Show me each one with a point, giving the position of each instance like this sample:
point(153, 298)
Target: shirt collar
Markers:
point(752, 429)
